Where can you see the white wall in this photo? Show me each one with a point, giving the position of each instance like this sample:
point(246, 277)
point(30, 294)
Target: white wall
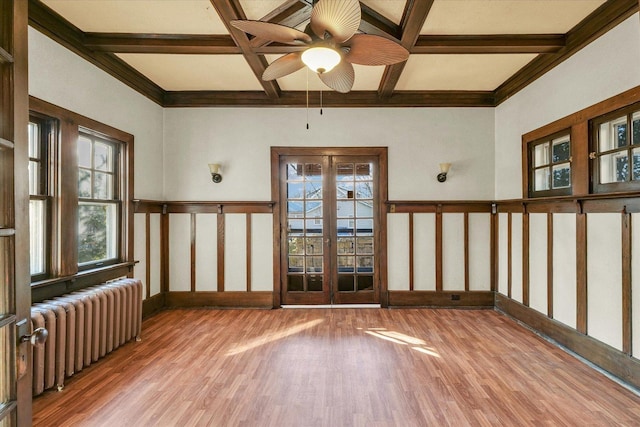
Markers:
point(60, 77)
point(240, 139)
point(608, 66)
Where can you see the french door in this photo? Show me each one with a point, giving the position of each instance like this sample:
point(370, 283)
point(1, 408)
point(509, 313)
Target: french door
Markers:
point(15, 293)
point(330, 222)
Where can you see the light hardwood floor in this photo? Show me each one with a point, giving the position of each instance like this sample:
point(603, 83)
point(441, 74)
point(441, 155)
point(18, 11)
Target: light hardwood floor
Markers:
point(337, 367)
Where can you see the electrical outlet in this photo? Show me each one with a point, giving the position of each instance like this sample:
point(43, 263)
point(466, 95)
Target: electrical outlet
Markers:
point(455, 297)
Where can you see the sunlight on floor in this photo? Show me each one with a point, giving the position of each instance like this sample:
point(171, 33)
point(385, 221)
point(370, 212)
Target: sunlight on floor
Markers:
point(273, 336)
point(402, 339)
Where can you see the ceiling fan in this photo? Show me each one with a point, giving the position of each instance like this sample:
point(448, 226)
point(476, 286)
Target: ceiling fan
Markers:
point(332, 44)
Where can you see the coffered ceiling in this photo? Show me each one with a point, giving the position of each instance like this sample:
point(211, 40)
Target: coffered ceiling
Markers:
point(462, 52)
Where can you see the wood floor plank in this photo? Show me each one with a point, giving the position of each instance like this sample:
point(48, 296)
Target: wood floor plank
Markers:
point(330, 367)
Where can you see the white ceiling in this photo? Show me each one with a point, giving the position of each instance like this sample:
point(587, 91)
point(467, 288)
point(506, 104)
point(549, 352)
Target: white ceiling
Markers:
point(473, 72)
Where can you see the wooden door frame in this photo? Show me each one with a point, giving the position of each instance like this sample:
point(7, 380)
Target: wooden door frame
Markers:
point(383, 195)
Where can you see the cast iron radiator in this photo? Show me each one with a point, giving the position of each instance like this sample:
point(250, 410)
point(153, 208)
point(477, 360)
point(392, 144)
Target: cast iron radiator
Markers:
point(83, 327)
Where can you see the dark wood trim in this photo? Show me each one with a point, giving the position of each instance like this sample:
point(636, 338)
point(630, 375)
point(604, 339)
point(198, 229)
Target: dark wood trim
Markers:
point(263, 299)
point(248, 248)
point(475, 299)
point(607, 16)
point(415, 14)
point(371, 22)
point(411, 252)
point(147, 254)
point(220, 250)
point(608, 358)
point(509, 254)
point(550, 265)
point(147, 206)
point(278, 235)
point(192, 268)
point(581, 273)
point(49, 23)
point(330, 99)
point(490, 43)
point(383, 194)
point(152, 305)
point(439, 254)
point(466, 252)
point(525, 258)
point(627, 302)
point(164, 252)
point(495, 256)
point(580, 158)
point(446, 206)
point(219, 207)
point(161, 43)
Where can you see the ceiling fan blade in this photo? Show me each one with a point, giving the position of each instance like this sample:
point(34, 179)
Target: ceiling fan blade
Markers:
point(368, 49)
point(274, 32)
point(283, 66)
point(340, 18)
point(341, 78)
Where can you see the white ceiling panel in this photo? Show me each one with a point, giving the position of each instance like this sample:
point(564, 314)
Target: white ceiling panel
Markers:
point(390, 9)
point(460, 72)
point(257, 9)
point(195, 72)
point(506, 16)
point(141, 16)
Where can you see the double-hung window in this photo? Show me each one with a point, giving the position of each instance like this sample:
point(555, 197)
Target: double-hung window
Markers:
point(42, 138)
point(98, 200)
point(615, 151)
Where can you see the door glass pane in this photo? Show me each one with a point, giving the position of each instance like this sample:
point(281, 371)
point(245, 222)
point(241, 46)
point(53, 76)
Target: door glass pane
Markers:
point(345, 283)
point(6, 274)
point(6, 181)
point(365, 245)
point(346, 246)
point(305, 227)
point(5, 380)
point(614, 167)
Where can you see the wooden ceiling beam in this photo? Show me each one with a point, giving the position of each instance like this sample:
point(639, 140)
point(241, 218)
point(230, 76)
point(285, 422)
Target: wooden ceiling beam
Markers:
point(607, 16)
point(49, 23)
point(415, 14)
point(356, 99)
point(503, 43)
point(229, 10)
point(224, 44)
point(161, 43)
point(372, 22)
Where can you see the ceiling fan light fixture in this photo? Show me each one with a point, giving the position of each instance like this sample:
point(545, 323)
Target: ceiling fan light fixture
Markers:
point(321, 59)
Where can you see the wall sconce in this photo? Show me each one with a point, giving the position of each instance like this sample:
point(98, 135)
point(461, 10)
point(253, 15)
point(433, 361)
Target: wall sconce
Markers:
point(444, 169)
point(214, 168)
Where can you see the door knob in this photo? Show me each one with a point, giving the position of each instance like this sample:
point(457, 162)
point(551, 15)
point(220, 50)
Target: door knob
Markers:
point(37, 338)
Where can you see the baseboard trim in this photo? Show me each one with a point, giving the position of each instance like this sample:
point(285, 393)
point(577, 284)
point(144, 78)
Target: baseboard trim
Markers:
point(445, 299)
point(219, 299)
point(612, 360)
point(152, 305)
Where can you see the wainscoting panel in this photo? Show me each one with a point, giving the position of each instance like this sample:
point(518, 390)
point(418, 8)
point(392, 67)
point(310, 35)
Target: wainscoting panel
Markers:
point(538, 262)
point(206, 252)
point(453, 247)
point(424, 252)
point(516, 257)
point(235, 252)
point(140, 250)
point(179, 252)
point(398, 251)
point(261, 252)
point(604, 278)
point(635, 284)
point(564, 269)
point(155, 255)
point(503, 253)
point(479, 252)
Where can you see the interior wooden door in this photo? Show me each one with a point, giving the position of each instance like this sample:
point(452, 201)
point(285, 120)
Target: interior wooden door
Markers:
point(330, 222)
point(15, 294)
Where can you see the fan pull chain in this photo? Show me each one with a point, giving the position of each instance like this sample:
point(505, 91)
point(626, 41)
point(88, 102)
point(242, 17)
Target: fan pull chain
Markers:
point(307, 98)
point(320, 101)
